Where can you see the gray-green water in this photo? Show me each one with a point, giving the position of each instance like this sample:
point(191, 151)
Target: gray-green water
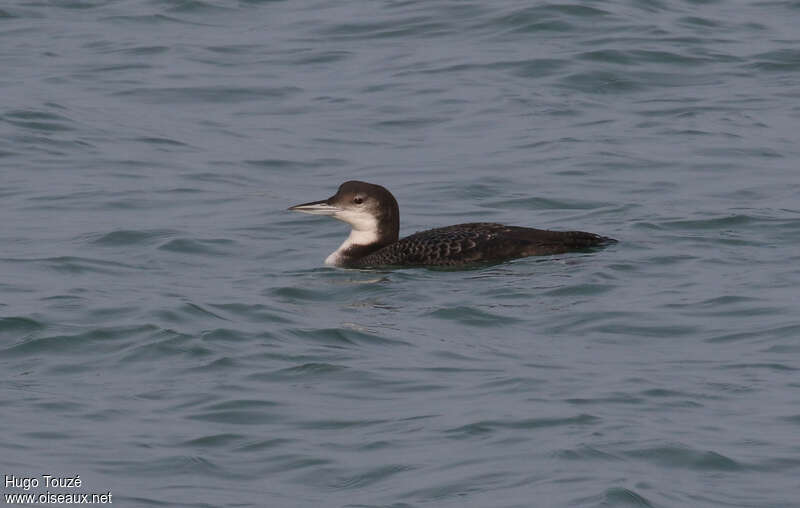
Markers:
point(168, 331)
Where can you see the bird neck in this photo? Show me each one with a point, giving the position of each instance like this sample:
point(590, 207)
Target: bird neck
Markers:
point(362, 242)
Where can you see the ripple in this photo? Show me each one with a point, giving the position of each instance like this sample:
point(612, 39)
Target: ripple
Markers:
point(641, 57)
point(214, 441)
point(472, 316)
point(582, 290)
point(323, 57)
point(146, 20)
point(146, 50)
point(160, 141)
point(240, 412)
point(208, 94)
point(187, 313)
point(696, 21)
point(602, 82)
point(586, 452)
point(99, 340)
point(260, 445)
point(339, 424)
point(36, 120)
point(128, 237)
point(224, 364)
point(81, 265)
point(408, 123)
point(389, 29)
point(195, 7)
point(710, 223)
point(620, 398)
point(534, 203)
point(777, 61)
point(294, 164)
point(364, 478)
point(490, 426)
point(455, 489)
point(777, 367)
point(165, 344)
point(313, 369)
point(619, 496)
point(153, 467)
point(254, 312)
point(206, 247)
point(13, 327)
point(343, 337)
point(687, 458)
point(527, 68)
point(549, 18)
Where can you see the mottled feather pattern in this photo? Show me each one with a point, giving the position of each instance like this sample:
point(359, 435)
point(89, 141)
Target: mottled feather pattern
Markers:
point(475, 243)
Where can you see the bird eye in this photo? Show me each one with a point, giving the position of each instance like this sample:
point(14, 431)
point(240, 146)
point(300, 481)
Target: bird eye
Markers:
point(358, 201)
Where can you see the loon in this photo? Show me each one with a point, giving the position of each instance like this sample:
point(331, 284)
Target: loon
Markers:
point(374, 216)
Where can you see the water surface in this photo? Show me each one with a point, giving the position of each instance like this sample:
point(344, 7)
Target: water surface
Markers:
point(168, 331)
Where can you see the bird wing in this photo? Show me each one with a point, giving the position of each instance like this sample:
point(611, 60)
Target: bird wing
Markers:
point(477, 242)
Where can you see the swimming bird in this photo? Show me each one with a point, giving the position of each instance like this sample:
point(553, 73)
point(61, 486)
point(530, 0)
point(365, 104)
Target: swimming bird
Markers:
point(374, 217)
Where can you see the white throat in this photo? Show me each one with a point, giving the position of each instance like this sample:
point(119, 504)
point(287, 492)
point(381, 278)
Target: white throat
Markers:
point(364, 232)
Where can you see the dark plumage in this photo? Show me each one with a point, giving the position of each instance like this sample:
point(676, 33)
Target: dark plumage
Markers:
point(373, 213)
point(477, 242)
